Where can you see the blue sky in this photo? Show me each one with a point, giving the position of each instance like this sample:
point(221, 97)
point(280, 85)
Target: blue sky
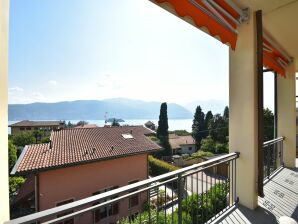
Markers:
point(77, 49)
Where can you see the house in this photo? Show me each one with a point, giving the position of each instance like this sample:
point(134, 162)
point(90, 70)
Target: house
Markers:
point(29, 126)
point(182, 144)
point(150, 125)
point(93, 161)
point(87, 126)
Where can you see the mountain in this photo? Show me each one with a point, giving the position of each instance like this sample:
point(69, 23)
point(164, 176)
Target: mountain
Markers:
point(216, 106)
point(94, 110)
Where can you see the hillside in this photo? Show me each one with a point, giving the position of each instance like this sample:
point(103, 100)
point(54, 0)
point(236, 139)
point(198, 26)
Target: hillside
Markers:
point(94, 110)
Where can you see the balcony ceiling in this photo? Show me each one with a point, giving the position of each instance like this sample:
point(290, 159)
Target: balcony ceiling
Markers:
point(280, 19)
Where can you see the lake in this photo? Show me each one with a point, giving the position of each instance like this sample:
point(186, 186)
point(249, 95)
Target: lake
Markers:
point(174, 124)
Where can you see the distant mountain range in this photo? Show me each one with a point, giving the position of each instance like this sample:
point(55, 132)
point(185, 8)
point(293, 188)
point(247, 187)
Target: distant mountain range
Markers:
point(94, 110)
point(216, 106)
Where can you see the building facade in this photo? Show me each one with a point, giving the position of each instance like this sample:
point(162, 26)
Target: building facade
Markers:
point(80, 163)
point(29, 126)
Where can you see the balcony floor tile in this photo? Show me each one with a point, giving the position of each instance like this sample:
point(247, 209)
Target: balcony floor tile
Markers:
point(281, 199)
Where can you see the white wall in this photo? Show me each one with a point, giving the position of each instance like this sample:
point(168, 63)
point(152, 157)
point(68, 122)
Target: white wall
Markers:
point(4, 194)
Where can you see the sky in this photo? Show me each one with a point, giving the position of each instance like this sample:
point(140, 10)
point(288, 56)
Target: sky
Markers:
point(77, 49)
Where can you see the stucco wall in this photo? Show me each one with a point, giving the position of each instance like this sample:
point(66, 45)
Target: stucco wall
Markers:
point(4, 202)
point(82, 181)
point(185, 149)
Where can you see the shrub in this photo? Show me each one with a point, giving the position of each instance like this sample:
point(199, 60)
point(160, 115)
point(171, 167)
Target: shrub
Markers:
point(221, 148)
point(200, 154)
point(159, 167)
point(23, 138)
point(208, 145)
point(15, 183)
point(12, 154)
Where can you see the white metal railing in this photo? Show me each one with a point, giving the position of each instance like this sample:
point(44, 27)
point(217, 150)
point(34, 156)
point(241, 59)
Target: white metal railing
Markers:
point(210, 185)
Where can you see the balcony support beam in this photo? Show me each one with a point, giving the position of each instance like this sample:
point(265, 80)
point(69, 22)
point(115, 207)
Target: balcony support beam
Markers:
point(243, 122)
point(286, 106)
point(4, 192)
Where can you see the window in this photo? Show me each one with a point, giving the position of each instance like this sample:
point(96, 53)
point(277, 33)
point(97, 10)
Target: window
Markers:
point(28, 128)
point(106, 211)
point(133, 200)
point(22, 129)
point(69, 221)
point(189, 148)
point(127, 136)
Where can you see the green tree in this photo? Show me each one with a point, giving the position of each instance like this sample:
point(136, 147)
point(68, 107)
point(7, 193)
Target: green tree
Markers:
point(163, 131)
point(12, 154)
point(163, 127)
point(208, 119)
point(226, 113)
point(208, 145)
point(198, 126)
point(15, 183)
point(218, 128)
point(82, 123)
point(115, 123)
point(268, 125)
point(23, 138)
point(70, 125)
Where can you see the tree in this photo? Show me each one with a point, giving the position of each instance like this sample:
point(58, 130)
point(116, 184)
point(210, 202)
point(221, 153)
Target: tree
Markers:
point(208, 145)
point(226, 113)
point(70, 125)
point(208, 119)
point(82, 123)
point(198, 126)
point(115, 123)
point(268, 125)
point(12, 154)
point(163, 127)
point(219, 129)
point(23, 138)
point(163, 131)
point(15, 183)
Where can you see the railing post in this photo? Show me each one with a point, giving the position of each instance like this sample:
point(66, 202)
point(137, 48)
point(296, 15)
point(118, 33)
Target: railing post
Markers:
point(180, 197)
point(268, 161)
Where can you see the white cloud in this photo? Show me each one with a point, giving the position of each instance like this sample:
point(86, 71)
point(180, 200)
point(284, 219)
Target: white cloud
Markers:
point(53, 83)
point(110, 80)
point(16, 89)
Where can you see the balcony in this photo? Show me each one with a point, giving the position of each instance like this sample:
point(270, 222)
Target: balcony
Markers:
point(201, 193)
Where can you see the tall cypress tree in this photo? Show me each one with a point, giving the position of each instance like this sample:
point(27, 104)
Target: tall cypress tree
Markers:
point(163, 127)
point(163, 130)
point(198, 125)
point(208, 119)
point(226, 113)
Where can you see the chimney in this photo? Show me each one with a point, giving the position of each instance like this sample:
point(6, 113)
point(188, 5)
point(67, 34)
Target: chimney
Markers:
point(51, 144)
point(112, 148)
point(131, 131)
point(93, 150)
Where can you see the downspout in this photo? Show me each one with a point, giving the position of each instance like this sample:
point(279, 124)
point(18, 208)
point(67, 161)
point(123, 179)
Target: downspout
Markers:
point(260, 100)
point(36, 187)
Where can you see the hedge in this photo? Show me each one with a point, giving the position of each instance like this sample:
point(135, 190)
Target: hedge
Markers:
point(159, 167)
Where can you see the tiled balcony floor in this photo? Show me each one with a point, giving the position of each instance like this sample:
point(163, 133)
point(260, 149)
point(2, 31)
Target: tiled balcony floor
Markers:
point(281, 199)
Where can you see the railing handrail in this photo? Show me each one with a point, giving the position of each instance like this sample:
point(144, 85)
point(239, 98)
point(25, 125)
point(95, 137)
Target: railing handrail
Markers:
point(273, 141)
point(144, 183)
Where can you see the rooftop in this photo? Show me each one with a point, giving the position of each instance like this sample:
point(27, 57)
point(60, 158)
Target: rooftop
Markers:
point(27, 123)
point(75, 146)
point(176, 141)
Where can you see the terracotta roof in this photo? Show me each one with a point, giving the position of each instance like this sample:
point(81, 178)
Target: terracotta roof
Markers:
point(87, 126)
point(27, 123)
point(82, 145)
point(176, 141)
